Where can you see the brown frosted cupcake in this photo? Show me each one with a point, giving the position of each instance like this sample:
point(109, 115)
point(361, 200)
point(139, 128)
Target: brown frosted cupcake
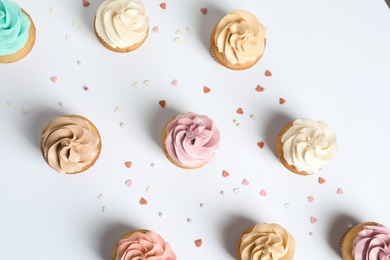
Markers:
point(367, 240)
point(305, 146)
point(238, 41)
point(190, 140)
point(142, 244)
point(17, 32)
point(70, 144)
point(269, 241)
point(121, 25)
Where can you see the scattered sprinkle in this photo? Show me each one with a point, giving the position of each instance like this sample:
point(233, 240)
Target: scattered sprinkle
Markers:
point(310, 199)
point(263, 193)
point(202, 205)
point(147, 83)
point(222, 192)
point(101, 197)
point(149, 189)
point(177, 40)
point(239, 111)
point(268, 73)
point(245, 182)
point(61, 104)
point(128, 164)
point(259, 88)
point(311, 234)
point(175, 82)
point(75, 23)
point(123, 125)
point(163, 6)
point(136, 85)
point(52, 10)
point(287, 205)
point(206, 89)
point(86, 88)
point(339, 191)
point(68, 37)
point(203, 10)
point(143, 201)
point(105, 209)
point(118, 109)
point(153, 165)
point(85, 3)
point(282, 101)
point(198, 242)
point(253, 117)
point(237, 191)
point(321, 180)
point(54, 79)
point(260, 144)
point(189, 220)
point(129, 183)
point(188, 29)
point(178, 32)
point(156, 29)
point(161, 215)
point(25, 110)
point(162, 103)
point(225, 174)
point(10, 103)
point(80, 63)
point(313, 220)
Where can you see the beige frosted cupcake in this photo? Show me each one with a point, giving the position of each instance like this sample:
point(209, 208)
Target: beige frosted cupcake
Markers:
point(265, 241)
point(190, 140)
point(142, 244)
point(367, 240)
point(121, 25)
point(238, 41)
point(305, 146)
point(70, 144)
point(17, 32)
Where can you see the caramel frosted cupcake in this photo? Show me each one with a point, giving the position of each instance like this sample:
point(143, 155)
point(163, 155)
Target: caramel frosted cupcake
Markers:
point(190, 140)
point(238, 40)
point(70, 144)
point(122, 25)
point(366, 241)
point(265, 242)
point(142, 245)
point(305, 146)
point(17, 32)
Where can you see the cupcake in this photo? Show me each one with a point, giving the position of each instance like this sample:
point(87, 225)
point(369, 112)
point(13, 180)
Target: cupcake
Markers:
point(305, 146)
point(189, 140)
point(142, 245)
point(17, 32)
point(365, 241)
point(238, 40)
point(121, 25)
point(264, 242)
point(70, 144)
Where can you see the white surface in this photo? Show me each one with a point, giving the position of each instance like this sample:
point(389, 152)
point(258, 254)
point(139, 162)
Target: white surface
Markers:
point(330, 61)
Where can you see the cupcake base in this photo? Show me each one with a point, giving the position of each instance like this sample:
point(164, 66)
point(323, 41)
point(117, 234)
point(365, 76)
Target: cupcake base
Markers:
point(219, 58)
point(117, 49)
point(346, 244)
point(280, 154)
point(20, 54)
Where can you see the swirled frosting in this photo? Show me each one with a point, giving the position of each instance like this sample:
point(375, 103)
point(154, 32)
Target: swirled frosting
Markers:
point(267, 242)
point(192, 139)
point(240, 37)
point(372, 243)
point(14, 28)
point(144, 246)
point(69, 144)
point(309, 145)
point(122, 23)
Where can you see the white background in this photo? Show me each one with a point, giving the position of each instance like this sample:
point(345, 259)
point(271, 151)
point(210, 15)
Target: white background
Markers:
point(330, 61)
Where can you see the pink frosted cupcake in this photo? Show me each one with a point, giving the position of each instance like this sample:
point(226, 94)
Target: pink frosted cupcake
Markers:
point(190, 140)
point(142, 245)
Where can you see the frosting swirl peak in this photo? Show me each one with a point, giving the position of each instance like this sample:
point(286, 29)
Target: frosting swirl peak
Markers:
point(372, 243)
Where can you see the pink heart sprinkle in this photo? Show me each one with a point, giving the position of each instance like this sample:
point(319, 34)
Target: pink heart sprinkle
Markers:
point(85, 3)
point(174, 83)
point(203, 10)
point(245, 182)
point(128, 164)
point(340, 191)
point(313, 220)
point(129, 183)
point(54, 79)
point(263, 193)
point(310, 199)
point(225, 173)
point(156, 29)
point(143, 201)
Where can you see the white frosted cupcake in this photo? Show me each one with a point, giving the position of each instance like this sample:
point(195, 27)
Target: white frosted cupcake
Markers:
point(122, 25)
